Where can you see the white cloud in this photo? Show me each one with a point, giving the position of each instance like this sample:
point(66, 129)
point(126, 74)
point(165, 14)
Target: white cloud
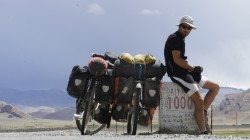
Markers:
point(95, 9)
point(150, 12)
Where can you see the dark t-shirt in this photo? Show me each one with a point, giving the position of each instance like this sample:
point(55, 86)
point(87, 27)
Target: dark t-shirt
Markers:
point(175, 41)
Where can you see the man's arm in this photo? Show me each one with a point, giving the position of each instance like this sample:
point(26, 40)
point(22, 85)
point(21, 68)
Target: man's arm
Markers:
point(180, 61)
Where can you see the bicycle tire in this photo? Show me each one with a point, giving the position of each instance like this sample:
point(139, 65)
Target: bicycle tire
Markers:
point(129, 122)
point(88, 117)
point(133, 117)
point(79, 110)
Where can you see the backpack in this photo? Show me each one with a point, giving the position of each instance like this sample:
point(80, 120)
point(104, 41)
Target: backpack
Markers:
point(78, 81)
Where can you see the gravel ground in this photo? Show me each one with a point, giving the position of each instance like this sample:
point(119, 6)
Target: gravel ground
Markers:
point(107, 135)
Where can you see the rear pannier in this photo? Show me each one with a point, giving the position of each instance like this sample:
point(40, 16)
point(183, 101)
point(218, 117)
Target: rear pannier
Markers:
point(151, 92)
point(127, 66)
point(78, 81)
point(105, 88)
point(155, 69)
point(146, 116)
point(124, 88)
point(123, 68)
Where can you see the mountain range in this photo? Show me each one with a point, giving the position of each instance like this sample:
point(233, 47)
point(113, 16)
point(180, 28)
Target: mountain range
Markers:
point(53, 97)
point(57, 104)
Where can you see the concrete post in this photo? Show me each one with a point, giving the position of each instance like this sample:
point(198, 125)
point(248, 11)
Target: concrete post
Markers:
point(176, 111)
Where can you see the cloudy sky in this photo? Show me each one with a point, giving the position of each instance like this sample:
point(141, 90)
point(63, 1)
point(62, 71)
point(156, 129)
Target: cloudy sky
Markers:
point(41, 40)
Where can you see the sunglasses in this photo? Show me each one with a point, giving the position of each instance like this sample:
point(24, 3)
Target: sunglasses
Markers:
point(186, 27)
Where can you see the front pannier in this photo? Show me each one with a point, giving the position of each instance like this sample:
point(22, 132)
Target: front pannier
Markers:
point(124, 88)
point(102, 114)
point(151, 92)
point(78, 81)
point(119, 113)
point(105, 89)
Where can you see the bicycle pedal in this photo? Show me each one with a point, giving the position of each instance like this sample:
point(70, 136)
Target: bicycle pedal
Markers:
point(77, 117)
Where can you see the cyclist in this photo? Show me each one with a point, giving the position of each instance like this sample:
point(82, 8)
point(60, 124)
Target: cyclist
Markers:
point(187, 76)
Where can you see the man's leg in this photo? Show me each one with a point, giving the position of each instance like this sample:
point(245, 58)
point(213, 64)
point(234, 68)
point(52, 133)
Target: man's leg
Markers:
point(213, 89)
point(190, 87)
point(199, 110)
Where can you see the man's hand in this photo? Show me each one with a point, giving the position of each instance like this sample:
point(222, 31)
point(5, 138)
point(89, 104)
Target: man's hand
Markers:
point(197, 69)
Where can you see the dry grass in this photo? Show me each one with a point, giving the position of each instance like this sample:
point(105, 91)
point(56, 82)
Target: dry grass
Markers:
point(43, 124)
point(13, 123)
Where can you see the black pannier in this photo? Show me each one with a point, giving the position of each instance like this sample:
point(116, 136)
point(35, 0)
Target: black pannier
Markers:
point(124, 88)
point(119, 113)
point(78, 81)
point(123, 68)
point(102, 114)
point(105, 88)
point(111, 57)
point(151, 92)
point(155, 69)
point(146, 116)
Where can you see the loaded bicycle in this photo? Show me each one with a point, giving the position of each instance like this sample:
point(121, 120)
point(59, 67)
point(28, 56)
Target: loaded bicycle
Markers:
point(92, 86)
point(139, 81)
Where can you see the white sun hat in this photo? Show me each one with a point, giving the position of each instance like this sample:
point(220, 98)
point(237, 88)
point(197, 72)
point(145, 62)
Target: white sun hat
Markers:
point(188, 20)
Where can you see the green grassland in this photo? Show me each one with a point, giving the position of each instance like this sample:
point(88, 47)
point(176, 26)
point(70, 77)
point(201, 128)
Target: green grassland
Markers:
point(239, 133)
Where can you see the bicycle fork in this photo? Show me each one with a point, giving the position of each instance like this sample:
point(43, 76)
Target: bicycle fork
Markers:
point(85, 98)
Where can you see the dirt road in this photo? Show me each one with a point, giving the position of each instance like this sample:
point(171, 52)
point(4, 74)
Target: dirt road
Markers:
point(105, 135)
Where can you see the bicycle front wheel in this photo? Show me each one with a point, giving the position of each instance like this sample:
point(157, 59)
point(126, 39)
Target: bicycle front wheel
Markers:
point(134, 113)
point(89, 125)
point(79, 112)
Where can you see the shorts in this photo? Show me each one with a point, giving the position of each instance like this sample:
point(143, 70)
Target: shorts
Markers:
point(190, 82)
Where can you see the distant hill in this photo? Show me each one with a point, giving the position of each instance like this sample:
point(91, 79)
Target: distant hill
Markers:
point(52, 98)
point(233, 103)
point(236, 102)
point(8, 111)
point(60, 114)
point(223, 93)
